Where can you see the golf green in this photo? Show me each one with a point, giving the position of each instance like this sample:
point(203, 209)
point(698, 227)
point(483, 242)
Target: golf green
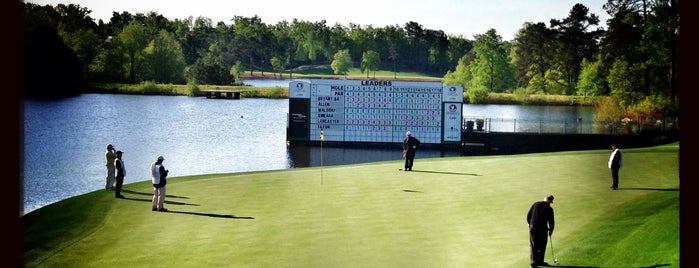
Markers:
point(467, 211)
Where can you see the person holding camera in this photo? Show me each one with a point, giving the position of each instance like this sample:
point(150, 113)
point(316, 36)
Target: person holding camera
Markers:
point(109, 157)
point(158, 175)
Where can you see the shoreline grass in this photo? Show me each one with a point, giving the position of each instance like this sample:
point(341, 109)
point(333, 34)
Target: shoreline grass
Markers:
point(464, 211)
point(323, 72)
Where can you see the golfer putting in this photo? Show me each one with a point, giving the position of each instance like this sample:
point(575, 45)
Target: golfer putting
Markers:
point(410, 144)
point(541, 224)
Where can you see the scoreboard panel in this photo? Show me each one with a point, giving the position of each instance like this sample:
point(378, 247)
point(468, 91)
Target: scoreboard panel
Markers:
point(374, 111)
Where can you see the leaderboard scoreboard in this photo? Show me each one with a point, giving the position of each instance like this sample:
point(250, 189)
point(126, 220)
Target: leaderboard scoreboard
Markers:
point(374, 111)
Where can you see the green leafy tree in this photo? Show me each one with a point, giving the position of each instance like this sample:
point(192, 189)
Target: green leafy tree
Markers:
point(209, 70)
point(165, 59)
point(133, 41)
point(462, 75)
point(663, 34)
point(86, 44)
point(621, 82)
point(641, 42)
point(531, 55)
point(253, 39)
point(370, 62)
point(154, 23)
point(109, 65)
point(236, 70)
point(395, 40)
point(78, 31)
point(417, 45)
point(339, 38)
point(579, 40)
point(490, 68)
point(555, 82)
point(437, 57)
point(458, 47)
point(223, 36)
point(284, 47)
point(342, 62)
point(311, 39)
point(196, 36)
point(591, 82)
point(361, 39)
point(116, 23)
point(277, 65)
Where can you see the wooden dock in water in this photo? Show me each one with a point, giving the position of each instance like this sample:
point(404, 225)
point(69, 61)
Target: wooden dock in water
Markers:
point(222, 94)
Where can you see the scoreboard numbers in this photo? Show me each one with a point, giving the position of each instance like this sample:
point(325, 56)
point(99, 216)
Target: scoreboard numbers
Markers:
point(374, 111)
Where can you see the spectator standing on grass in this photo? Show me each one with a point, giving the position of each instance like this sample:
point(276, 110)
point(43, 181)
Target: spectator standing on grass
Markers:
point(109, 157)
point(158, 175)
point(120, 174)
point(541, 223)
point(615, 162)
point(410, 144)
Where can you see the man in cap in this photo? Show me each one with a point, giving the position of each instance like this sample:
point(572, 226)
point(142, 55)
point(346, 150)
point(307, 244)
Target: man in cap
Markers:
point(109, 157)
point(410, 144)
point(158, 175)
point(120, 174)
point(541, 223)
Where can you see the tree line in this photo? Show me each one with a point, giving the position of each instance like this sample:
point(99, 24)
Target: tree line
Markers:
point(635, 61)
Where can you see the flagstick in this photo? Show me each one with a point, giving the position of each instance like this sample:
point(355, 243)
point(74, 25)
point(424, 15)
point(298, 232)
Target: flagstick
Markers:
point(322, 137)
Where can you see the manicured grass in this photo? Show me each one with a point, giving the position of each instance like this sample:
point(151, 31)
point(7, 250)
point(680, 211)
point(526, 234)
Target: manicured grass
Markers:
point(449, 212)
point(325, 71)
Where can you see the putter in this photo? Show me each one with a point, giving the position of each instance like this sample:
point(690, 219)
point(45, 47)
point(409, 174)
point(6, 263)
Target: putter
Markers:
point(552, 254)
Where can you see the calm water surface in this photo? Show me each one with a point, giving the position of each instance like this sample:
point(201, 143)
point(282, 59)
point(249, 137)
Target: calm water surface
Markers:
point(65, 140)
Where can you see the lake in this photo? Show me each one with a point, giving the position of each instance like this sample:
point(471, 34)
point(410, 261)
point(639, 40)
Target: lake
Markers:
point(65, 140)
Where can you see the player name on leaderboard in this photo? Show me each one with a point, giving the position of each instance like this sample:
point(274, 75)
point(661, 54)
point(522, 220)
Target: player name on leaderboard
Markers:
point(374, 111)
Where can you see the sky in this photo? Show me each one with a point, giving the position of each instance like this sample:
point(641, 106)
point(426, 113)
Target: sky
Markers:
point(465, 18)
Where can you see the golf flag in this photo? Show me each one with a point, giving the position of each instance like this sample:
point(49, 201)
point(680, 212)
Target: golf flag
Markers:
point(322, 135)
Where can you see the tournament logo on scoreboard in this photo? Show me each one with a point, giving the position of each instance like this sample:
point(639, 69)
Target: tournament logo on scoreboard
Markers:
point(453, 94)
point(299, 89)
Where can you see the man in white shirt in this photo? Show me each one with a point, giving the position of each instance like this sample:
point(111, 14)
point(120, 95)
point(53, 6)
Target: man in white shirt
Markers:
point(158, 175)
point(615, 162)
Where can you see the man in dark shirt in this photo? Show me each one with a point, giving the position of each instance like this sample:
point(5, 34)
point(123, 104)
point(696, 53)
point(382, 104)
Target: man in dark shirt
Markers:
point(119, 174)
point(615, 163)
point(410, 144)
point(541, 224)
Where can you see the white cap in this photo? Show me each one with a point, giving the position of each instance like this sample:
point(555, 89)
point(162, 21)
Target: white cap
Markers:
point(407, 133)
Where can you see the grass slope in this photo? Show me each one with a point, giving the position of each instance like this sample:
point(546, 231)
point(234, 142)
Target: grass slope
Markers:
point(449, 212)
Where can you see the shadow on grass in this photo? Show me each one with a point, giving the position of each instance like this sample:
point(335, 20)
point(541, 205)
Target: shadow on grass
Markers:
point(650, 189)
point(151, 194)
point(575, 266)
point(211, 215)
point(166, 201)
point(150, 200)
point(571, 266)
point(441, 172)
point(411, 191)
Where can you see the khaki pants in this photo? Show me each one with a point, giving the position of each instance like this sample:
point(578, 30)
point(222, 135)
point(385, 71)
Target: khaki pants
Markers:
point(111, 178)
point(158, 197)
